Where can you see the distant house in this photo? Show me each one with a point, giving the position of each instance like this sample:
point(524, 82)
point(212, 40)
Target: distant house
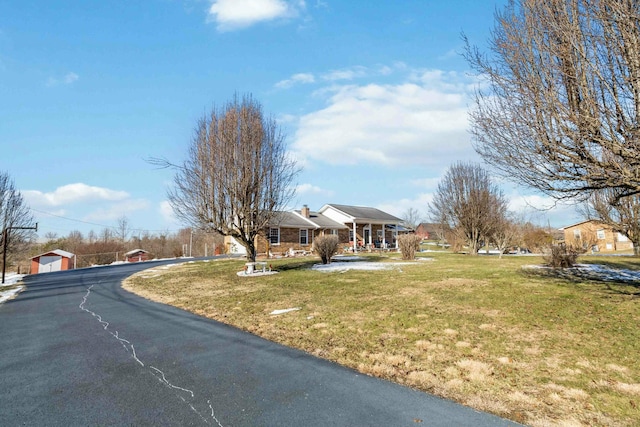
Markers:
point(428, 230)
point(596, 236)
point(56, 260)
point(136, 255)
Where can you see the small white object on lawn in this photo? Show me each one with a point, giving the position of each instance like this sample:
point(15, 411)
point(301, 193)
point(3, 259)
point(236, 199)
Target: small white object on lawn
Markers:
point(286, 310)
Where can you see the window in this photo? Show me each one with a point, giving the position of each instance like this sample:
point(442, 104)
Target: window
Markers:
point(622, 238)
point(333, 232)
point(274, 236)
point(304, 236)
point(351, 235)
point(600, 234)
point(576, 233)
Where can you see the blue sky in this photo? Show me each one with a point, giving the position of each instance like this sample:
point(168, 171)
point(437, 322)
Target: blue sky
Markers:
point(373, 99)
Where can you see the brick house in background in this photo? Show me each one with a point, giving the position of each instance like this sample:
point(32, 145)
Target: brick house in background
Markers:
point(294, 231)
point(427, 230)
point(599, 237)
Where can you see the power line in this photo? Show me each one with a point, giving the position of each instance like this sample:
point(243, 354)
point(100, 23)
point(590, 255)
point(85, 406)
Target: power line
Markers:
point(102, 225)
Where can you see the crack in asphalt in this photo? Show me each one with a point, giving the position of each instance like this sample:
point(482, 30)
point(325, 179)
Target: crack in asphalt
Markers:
point(157, 373)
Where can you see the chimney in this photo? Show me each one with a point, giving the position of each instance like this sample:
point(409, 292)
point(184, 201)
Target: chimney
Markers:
point(305, 211)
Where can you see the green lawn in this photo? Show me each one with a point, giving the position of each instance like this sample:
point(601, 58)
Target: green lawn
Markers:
point(535, 347)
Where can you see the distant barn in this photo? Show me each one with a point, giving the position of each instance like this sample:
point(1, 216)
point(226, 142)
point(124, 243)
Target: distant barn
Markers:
point(56, 260)
point(136, 255)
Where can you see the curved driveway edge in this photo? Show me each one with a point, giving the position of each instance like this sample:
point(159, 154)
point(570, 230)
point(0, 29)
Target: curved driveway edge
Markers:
point(77, 349)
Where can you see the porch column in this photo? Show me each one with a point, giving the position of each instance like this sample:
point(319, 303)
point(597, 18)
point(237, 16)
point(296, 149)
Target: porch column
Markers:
point(396, 231)
point(384, 236)
point(355, 238)
point(370, 235)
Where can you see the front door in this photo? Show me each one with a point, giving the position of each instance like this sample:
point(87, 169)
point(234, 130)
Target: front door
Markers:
point(366, 235)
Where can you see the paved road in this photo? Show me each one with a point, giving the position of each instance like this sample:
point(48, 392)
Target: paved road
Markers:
point(76, 349)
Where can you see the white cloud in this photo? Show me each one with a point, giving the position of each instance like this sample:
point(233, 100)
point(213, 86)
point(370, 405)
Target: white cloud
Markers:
point(426, 183)
point(114, 211)
point(302, 78)
point(348, 73)
point(167, 213)
point(422, 122)
point(67, 79)
point(303, 189)
point(237, 14)
point(70, 78)
point(73, 193)
point(400, 207)
point(543, 210)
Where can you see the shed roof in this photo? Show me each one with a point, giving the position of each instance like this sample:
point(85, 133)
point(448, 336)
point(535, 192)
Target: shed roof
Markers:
point(58, 252)
point(136, 251)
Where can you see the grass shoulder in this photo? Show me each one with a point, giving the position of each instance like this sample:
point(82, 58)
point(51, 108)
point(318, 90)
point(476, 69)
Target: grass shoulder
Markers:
point(484, 331)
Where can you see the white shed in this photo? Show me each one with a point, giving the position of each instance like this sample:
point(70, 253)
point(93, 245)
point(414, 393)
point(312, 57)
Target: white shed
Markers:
point(56, 260)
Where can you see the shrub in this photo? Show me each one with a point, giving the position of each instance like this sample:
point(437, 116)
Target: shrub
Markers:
point(561, 256)
point(408, 244)
point(326, 247)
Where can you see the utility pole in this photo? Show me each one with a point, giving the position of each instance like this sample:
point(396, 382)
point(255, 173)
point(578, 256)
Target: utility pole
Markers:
point(5, 239)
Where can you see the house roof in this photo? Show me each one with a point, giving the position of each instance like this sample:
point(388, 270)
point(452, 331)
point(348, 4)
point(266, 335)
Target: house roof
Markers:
point(295, 219)
point(579, 223)
point(135, 251)
point(322, 221)
point(58, 252)
point(363, 213)
point(291, 220)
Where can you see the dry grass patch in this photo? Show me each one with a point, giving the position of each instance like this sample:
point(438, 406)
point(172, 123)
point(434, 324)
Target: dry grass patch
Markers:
point(536, 349)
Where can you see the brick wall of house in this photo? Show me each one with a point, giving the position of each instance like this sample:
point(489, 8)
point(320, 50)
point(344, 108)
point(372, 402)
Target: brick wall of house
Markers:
point(290, 239)
point(601, 237)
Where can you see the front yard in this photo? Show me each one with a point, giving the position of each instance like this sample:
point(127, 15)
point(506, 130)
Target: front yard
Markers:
point(523, 344)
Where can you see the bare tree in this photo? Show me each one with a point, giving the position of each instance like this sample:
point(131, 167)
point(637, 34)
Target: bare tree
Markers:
point(237, 174)
point(411, 218)
point(469, 204)
point(122, 228)
point(621, 214)
point(561, 112)
point(51, 235)
point(106, 235)
point(535, 238)
point(15, 218)
point(507, 233)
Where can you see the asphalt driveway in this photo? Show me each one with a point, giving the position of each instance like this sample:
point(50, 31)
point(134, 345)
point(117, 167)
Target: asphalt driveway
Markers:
point(77, 349)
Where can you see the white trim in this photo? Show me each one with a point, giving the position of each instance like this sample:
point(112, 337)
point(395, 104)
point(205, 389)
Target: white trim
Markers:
point(306, 236)
point(278, 236)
